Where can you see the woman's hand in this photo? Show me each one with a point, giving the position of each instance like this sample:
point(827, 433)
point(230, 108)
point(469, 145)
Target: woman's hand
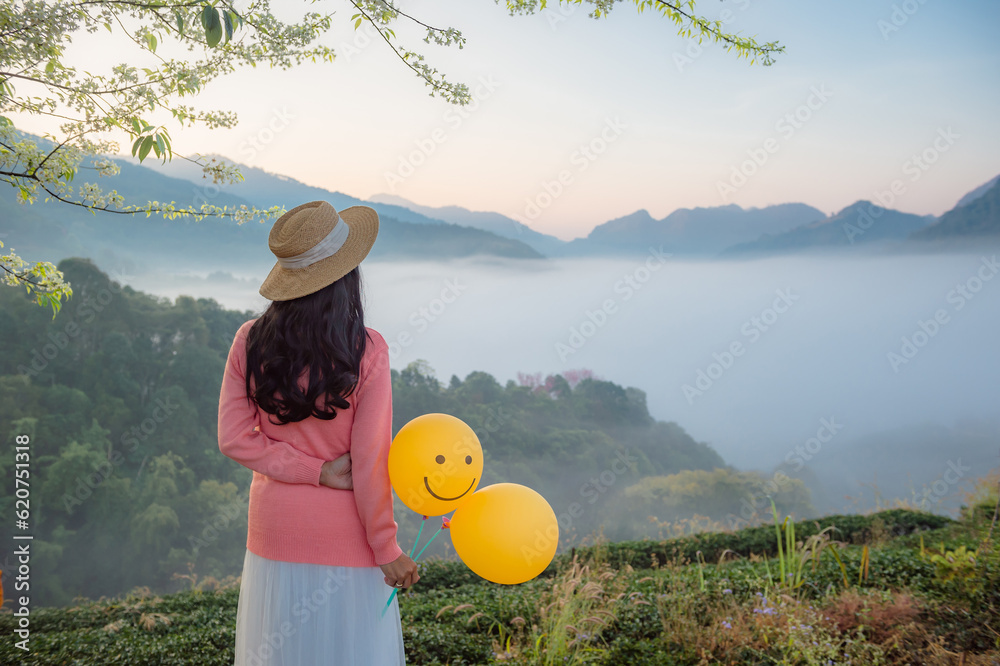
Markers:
point(337, 473)
point(401, 570)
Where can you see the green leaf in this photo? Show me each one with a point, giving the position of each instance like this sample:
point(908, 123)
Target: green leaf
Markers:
point(228, 22)
point(180, 23)
point(161, 148)
point(147, 144)
point(135, 126)
point(213, 25)
point(135, 146)
point(214, 36)
point(206, 16)
point(50, 67)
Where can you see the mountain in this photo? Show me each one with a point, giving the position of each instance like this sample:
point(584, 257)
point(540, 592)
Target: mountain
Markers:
point(52, 231)
point(501, 225)
point(698, 231)
point(861, 223)
point(692, 231)
point(265, 189)
point(978, 192)
point(975, 221)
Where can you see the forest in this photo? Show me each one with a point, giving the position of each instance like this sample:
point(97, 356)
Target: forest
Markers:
point(118, 396)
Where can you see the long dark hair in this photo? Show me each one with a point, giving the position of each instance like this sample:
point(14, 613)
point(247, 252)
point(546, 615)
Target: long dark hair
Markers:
point(324, 331)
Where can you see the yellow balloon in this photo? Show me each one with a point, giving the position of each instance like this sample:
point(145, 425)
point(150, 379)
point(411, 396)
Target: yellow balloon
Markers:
point(435, 463)
point(507, 533)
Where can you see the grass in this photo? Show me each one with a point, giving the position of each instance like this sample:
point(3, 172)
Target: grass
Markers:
point(893, 587)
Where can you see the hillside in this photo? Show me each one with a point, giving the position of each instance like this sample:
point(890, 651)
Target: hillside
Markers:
point(710, 598)
point(127, 487)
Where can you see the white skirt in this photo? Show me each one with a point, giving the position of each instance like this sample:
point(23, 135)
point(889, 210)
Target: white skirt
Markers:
point(297, 614)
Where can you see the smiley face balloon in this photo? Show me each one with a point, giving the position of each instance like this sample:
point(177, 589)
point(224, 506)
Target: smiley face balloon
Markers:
point(435, 463)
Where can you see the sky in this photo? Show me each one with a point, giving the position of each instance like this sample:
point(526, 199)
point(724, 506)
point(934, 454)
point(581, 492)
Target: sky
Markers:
point(577, 121)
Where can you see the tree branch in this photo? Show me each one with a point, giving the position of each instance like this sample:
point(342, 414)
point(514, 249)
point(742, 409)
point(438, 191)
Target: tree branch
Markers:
point(417, 21)
point(20, 276)
point(705, 25)
point(394, 50)
point(115, 91)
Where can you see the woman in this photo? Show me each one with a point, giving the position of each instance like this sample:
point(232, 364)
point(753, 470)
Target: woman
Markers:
point(321, 539)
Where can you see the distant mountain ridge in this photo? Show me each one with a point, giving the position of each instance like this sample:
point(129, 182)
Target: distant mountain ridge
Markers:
point(496, 223)
point(265, 189)
point(412, 230)
point(698, 231)
point(974, 220)
point(860, 223)
point(978, 192)
point(693, 231)
point(52, 231)
point(977, 219)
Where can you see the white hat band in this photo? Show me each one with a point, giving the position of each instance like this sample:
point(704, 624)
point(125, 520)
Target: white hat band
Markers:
point(332, 242)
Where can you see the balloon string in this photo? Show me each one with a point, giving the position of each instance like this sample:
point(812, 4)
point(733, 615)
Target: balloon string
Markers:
point(419, 532)
point(428, 543)
point(389, 603)
point(395, 590)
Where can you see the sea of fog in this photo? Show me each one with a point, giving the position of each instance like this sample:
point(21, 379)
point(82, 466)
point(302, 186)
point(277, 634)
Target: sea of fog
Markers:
point(754, 357)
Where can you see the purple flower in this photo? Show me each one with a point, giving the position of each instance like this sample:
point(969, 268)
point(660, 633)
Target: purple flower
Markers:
point(727, 591)
point(726, 625)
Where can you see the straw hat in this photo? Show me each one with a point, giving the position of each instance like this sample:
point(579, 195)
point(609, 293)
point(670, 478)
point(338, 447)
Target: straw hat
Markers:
point(316, 246)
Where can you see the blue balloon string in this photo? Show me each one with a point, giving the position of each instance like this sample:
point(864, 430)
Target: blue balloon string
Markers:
point(428, 543)
point(419, 532)
point(389, 603)
point(395, 590)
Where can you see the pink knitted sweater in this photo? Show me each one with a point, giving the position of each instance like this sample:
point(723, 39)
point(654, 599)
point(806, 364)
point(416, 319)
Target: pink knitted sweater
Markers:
point(291, 517)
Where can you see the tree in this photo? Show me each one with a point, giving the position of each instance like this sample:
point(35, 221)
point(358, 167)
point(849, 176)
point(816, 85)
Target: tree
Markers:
point(36, 79)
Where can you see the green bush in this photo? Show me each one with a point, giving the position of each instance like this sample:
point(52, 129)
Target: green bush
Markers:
point(453, 616)
point(761, 540)
point(433, 644)
point(449, 574)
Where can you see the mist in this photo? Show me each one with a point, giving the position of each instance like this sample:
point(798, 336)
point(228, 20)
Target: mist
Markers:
point(770, 361)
